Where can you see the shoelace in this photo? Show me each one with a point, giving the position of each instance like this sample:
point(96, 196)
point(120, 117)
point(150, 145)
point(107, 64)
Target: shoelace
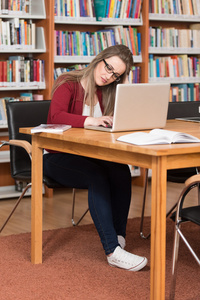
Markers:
point(127, 258)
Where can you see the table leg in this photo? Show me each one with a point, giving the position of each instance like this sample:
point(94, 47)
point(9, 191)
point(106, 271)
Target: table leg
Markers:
point(158, 228)
point(36, 202)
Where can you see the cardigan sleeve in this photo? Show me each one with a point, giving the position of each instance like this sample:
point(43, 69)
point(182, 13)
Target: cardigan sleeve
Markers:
point(67, 105)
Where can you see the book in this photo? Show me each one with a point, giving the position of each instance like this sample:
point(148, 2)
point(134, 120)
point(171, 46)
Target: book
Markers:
point(3, 115)
point(52, 128)
point(100, 9)
point(158, 136)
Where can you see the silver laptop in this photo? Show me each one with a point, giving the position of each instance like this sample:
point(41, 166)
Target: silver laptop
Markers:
point(190, 119)
point(139, 107)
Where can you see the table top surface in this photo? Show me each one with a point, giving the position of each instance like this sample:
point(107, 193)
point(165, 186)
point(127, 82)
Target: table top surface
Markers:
point(109, 140)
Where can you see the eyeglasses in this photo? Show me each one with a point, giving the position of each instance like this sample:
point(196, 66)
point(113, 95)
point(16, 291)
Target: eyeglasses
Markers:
point(109, 70)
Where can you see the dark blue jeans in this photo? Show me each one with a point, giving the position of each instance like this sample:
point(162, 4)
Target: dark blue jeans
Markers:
point(109, 191)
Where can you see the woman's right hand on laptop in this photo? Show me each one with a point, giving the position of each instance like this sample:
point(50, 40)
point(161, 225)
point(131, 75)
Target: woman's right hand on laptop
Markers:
point(101, 121)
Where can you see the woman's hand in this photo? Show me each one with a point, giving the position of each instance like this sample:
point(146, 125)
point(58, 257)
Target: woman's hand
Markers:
point(101, 121)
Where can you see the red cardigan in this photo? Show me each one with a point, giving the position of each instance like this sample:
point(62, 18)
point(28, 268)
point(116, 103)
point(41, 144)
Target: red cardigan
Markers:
point(67, 105)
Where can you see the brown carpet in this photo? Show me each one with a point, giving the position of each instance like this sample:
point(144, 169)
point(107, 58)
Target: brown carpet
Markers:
point(74, 267)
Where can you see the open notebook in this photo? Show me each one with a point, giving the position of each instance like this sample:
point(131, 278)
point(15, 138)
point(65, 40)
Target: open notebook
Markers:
point(139, 106)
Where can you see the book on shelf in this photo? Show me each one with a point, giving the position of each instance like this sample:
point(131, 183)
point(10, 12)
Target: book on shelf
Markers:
point(18, 7)
point(175, 66)
point(134, 75)
point(76, 43)
point(119, 9)
point(185, 92)
point(74, 9)
point(51, 128)
point(4, 6)
point(172, 7)
point(173, 38)
point(100, 9)
point(158, 136)
point(3, 114)
point(26, 96)
point(21, 71)
point(17, 34)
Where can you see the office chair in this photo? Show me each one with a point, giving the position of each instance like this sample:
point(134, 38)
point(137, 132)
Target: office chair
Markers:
point(27, 114)
point(177, 176)
point(188, 214)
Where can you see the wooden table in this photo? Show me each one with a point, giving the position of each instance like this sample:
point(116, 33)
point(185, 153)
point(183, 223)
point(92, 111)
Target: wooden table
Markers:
point(103, 145)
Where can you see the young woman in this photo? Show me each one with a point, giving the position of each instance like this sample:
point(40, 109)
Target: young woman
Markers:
point(86, 97)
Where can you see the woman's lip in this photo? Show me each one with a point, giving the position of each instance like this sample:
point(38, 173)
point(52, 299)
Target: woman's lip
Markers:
point(104, 80)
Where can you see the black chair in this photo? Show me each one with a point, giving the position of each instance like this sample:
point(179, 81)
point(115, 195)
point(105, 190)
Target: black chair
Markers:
point(187, 214)
point(177, 176)
point(27, 114)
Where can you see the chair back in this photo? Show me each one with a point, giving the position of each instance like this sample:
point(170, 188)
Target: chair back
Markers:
point(23, 114)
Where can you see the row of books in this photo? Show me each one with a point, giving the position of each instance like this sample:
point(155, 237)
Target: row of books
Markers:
point(175, 66)
point(15, 7)
point(60, 70)
point(178, 7)
point(118, 9)
point(134, 76)
point(20, 71)
point(17, 34)
point(74, 8)
point(91, 43)
point(99, 9)
point(185, 92)
point(174, 38)
point(3, 114)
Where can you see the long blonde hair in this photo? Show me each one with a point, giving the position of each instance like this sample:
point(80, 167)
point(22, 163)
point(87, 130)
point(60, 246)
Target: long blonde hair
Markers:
point(108, 91)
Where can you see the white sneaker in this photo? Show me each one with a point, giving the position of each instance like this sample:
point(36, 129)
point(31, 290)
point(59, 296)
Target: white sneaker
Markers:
point(125, 260)
point(121, 241)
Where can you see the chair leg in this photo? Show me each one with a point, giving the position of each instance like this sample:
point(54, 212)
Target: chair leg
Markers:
point(198, 188)
point(143, 206)
point(14, 208)
point(174, 263)
point(188, 246)
point(73, 207)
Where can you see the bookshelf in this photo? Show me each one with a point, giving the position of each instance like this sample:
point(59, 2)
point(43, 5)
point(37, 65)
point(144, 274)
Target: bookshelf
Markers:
point(39, 15)
point(42, 14)
point(181, 22)
point(181, 53)
point(91, 25)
